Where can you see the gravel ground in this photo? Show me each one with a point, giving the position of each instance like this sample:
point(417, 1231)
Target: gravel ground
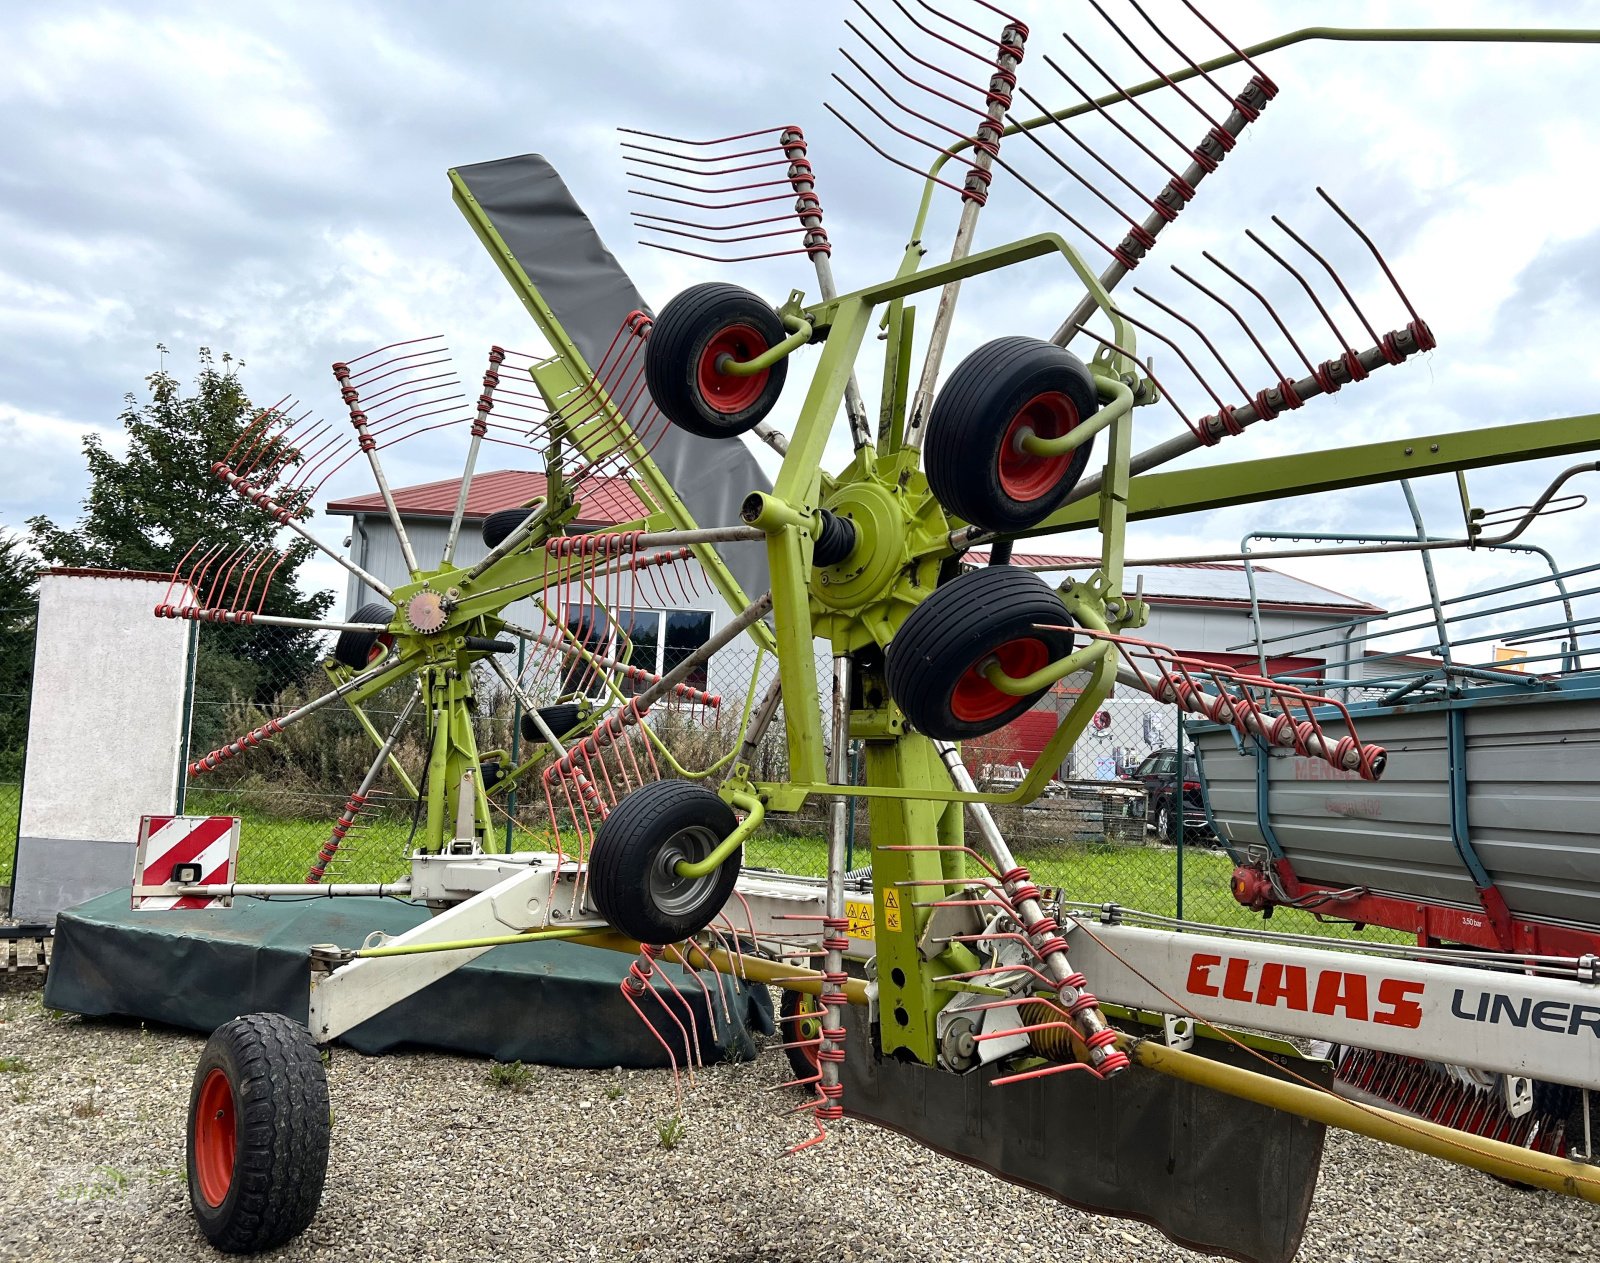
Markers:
point(432, 1162)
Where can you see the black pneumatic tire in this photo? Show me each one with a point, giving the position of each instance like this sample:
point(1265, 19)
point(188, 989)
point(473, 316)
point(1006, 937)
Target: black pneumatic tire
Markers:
point(793, 1028)
point(501, 523)
point(358, 649)
point(560, 720)
point(630, 865)
point(694, 329)
point(933, 665)
point(975, 470)
point(258, 1133)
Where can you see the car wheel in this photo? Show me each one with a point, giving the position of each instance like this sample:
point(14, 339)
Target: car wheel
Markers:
point(1164, 829)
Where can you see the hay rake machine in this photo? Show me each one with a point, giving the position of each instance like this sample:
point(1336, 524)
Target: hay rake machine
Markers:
point(947, 994)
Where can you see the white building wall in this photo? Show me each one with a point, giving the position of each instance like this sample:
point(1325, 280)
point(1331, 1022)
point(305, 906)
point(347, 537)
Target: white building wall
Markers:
point(105, 736)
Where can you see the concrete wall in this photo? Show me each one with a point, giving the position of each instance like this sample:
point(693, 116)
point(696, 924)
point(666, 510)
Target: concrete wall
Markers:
point(104, 736)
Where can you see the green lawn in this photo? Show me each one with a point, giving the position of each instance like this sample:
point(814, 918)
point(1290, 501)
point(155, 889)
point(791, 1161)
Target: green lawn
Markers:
point(278, 848)
point(10, 809)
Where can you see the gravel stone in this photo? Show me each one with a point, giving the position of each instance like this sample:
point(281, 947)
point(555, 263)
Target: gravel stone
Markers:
point(432, 1163)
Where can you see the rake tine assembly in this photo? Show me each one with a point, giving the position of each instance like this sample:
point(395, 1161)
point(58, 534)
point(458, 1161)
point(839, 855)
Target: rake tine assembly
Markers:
point(1204, 157)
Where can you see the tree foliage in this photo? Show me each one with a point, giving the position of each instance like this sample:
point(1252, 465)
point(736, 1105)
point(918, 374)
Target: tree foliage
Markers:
point(19, 606)
point(147, 507)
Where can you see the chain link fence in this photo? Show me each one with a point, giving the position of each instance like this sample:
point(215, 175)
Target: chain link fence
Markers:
point(1122, 820)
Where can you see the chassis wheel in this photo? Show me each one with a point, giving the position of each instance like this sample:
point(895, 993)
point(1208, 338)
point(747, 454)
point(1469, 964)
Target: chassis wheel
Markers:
point(560, 719)
point(800, 1017)
point(501, 523)
point(631, 866)
point(1006, 389)
point(934, 665)
point(360, 649)
point(691, 335)
point(258, 1133)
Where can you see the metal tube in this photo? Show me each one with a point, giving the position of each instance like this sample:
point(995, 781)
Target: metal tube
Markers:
point(366, 577)
point(461, 500)
point(701, 535)
point(1509, 1162)
point(755, 814)
point(749, 368)
point(1028, 910)
point(525, 528)
point(298, 890)
point(468, 944)
point(353, 807)
point(855, 409)
point(833, 940)
point(991, 131)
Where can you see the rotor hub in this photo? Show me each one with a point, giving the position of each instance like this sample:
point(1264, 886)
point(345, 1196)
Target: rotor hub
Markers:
point(426, 613)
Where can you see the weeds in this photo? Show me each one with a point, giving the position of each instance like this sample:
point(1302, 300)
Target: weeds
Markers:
point(513, 1076)
point(14, 1065)
point(615, 1092)
point(90, 1106)
point(671, 1131)
point(106, 1182)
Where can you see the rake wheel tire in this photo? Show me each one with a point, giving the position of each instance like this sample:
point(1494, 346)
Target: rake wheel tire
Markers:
point(631, 878)
point(975, 467)
point(357, 649)
point(560, 719)
point(694, 330)
point(258, 1133)
point(934, 665)
point(803, 1061)
point(501, 523)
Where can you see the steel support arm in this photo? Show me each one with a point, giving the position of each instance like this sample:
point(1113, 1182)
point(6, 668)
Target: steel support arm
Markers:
point(1275, 477)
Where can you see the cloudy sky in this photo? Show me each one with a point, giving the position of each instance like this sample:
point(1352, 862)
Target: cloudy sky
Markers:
point(270, 180)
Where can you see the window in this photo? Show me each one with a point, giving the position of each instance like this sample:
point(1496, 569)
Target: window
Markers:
point(652, 640)
point(687, 630)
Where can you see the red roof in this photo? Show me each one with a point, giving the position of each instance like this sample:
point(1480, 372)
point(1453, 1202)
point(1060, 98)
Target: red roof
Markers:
point(1210, 583)
point(605, 501)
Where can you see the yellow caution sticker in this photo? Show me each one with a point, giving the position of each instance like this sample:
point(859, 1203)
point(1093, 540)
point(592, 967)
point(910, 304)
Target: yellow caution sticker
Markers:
point(891, 909)
point(860, 915)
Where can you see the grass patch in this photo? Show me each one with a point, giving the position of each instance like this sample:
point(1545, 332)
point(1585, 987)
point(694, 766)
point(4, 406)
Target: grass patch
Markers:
point(512, 1076)
point(671, 1131)
point(277, 848)
point(14, 1065)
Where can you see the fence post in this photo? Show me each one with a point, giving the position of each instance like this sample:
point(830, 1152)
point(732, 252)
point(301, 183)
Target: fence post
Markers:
point(850, 809)
point(1178, 812)
point(516, 742)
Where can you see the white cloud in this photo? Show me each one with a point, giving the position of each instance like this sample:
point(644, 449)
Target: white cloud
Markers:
point(270, 181)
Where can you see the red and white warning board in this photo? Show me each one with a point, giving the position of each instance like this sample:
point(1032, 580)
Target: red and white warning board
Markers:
point(184, 851)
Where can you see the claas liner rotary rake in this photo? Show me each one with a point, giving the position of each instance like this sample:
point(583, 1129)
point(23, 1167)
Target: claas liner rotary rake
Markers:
point(1069, 1050)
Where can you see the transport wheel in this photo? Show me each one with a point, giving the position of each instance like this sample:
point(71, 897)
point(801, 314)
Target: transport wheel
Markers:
point(361, 649)
point(803, 1061)
point(636, 849)
point(1164, 823)
point(972, 453)
point(501, 523)
point(560, 719)
point(934, 665)
point(691, 335)
point(258, 1133)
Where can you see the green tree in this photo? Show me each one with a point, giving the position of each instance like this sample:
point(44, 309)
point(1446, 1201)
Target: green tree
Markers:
point(146, 508)
point(19, 607)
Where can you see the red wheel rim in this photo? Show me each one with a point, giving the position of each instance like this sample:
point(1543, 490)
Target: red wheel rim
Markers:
point(380, 648)
point(975, 699)
point(215, 1138)
point(1025, 477)
point(724, 392)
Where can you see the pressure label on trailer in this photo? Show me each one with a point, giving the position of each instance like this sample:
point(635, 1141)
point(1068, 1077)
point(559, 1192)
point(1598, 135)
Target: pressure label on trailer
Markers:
point(860, 915)
point(891, 909)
